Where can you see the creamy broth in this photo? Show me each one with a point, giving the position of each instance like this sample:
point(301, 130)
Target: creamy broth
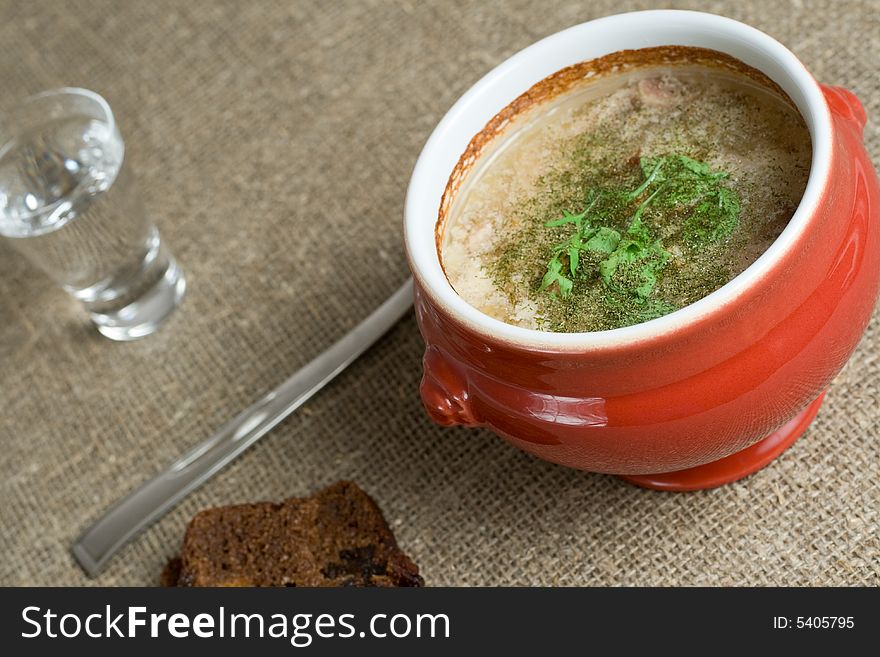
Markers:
point(625, 198)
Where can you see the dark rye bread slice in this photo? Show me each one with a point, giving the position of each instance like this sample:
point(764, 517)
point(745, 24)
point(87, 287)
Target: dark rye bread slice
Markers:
point(336, 537)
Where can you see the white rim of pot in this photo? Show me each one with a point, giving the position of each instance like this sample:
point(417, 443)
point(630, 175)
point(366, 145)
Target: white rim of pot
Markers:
point(518, 73)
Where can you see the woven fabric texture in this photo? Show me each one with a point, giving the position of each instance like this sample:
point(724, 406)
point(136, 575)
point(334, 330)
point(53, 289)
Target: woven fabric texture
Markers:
point(273, 142)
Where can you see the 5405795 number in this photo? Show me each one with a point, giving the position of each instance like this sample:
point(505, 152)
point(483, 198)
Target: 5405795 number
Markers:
point(814, 622)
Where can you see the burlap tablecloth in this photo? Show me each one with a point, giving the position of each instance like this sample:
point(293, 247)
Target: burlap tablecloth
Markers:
point(273, 142)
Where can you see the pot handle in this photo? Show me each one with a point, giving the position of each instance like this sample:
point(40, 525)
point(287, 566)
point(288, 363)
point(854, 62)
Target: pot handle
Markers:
point(844, 104)
point(445, 391)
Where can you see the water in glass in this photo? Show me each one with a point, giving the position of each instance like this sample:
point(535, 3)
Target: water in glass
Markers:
point(66, 202)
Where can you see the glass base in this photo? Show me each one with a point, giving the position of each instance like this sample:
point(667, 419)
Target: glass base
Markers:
point(145, 314)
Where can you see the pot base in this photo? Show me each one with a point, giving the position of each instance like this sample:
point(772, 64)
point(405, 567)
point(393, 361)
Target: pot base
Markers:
point(736, 466)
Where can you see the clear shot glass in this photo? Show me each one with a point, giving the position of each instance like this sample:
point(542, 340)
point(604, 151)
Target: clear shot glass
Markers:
point(69, 205)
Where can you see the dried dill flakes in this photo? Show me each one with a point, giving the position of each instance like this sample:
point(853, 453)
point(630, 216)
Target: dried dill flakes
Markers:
point(683, 183)
point(604, 262)
point(633, 266)
point(617, 206)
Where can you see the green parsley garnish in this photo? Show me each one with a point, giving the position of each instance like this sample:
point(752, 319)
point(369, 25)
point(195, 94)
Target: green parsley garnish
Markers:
point(629, 265)
point(712, 210)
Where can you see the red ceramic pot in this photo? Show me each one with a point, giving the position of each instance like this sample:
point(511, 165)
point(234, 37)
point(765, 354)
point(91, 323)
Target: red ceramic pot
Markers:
point(707, 394)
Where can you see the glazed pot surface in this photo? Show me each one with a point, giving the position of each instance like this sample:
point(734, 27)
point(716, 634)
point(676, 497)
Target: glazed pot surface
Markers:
point(689, 393)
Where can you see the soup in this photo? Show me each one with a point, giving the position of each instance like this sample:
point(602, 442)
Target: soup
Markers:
point(633, 192)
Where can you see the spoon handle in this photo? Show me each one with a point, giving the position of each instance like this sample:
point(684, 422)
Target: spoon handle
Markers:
point(146, 504)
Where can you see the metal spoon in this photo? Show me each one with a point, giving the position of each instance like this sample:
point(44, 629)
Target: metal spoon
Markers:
point(97, 544)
